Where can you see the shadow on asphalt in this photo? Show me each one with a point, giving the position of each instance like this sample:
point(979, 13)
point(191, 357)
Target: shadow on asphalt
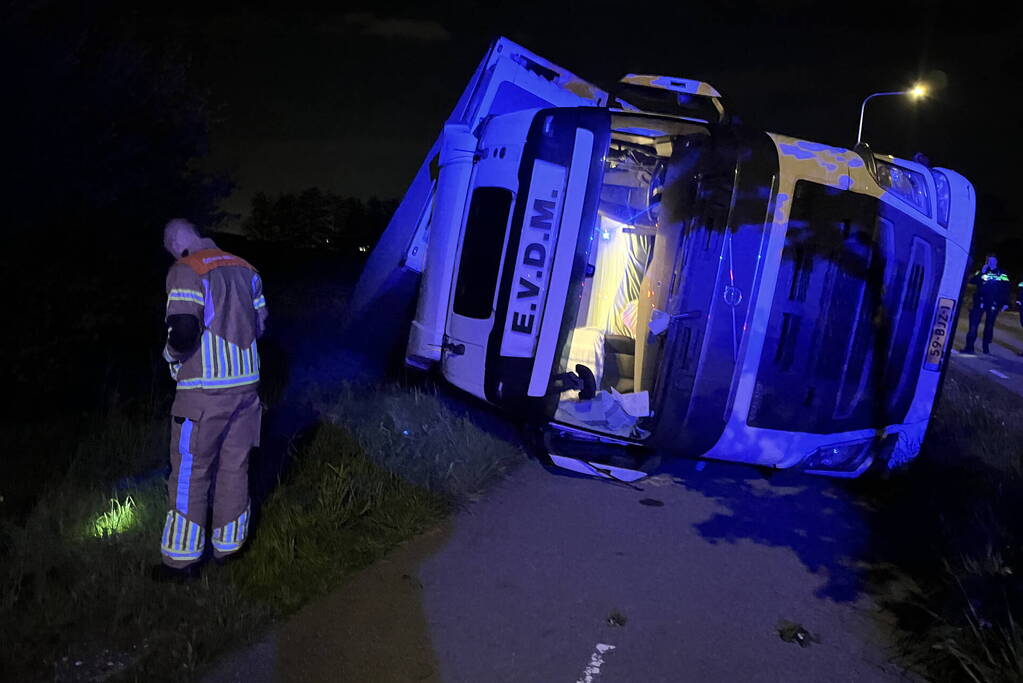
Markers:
point(885, 537)
point(826, 527)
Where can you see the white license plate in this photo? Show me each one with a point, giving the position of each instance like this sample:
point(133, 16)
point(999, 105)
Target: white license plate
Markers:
point(533, 261)
point(939, 334)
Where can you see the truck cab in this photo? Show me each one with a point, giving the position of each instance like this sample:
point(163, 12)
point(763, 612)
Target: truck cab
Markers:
point(639, 275)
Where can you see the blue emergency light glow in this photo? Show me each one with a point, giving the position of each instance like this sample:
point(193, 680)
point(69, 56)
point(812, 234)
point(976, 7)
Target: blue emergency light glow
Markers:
point(943, 196)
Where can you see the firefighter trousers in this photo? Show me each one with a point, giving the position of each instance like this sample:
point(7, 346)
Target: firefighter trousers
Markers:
point(211, 436)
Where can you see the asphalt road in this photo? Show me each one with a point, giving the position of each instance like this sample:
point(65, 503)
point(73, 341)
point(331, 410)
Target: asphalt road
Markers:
point(555, 578)
point(1003, 365)
point(550, 578)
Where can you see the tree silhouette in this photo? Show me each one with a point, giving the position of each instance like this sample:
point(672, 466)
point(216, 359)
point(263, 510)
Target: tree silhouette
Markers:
point(103, 125)
point(317, 219)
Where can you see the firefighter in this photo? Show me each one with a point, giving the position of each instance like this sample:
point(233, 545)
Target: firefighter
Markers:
point(989, 299)
point(215, 313)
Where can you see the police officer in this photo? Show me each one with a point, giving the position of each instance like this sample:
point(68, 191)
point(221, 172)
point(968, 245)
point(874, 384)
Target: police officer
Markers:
point(990, 298)
point(215, 313)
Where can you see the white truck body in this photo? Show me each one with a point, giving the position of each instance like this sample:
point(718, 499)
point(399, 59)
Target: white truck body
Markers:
point(741, 321)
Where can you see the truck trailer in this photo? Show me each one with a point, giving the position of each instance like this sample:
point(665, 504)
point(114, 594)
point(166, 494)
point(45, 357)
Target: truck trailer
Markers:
point(641, 276)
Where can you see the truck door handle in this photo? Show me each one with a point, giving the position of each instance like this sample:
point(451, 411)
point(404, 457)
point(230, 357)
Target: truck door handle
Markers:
point(453, 349)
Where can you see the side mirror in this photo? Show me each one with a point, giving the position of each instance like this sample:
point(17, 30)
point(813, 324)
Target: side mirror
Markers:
point(864, 152)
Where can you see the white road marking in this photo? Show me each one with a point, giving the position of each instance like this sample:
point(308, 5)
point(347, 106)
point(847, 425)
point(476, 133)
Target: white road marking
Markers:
point(592, 669)
point(998, 374)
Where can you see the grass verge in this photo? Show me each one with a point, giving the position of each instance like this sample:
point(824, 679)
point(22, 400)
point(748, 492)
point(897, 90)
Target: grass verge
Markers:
point(411, 431)
point(951, 533)
point(76, 602)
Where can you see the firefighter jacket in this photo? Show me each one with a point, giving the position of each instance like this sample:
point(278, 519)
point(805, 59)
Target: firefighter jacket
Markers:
point(992, 288)
point(225, 294)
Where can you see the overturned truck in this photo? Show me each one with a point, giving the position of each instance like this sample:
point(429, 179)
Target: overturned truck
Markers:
point(639, 276)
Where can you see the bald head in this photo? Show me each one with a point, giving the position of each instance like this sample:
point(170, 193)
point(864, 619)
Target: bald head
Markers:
point(180, 236)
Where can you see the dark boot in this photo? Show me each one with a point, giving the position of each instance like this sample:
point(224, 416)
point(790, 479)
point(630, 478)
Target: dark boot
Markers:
point(227, 560)
point(161, 573)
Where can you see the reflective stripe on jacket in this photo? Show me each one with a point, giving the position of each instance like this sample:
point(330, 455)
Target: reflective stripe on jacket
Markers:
point(225, 294)
point(992, 288)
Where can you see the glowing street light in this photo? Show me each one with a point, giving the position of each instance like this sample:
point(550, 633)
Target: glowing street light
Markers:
point(917, 92)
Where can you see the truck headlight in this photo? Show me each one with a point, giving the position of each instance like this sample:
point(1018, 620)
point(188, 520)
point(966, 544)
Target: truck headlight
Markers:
point(908, 185)
point(943, 198)
point(840, 458)
point(851, 458)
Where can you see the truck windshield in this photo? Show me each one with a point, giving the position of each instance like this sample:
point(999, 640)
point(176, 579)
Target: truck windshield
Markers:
point(606, 317)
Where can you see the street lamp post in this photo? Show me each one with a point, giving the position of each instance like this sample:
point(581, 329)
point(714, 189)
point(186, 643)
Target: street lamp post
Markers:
point(918, 91)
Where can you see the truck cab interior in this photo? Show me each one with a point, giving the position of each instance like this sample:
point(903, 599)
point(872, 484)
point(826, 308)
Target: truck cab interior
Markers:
point(616, 318)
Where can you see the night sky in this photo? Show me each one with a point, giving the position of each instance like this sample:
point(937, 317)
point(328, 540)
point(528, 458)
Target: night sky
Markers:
point(349, 99)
